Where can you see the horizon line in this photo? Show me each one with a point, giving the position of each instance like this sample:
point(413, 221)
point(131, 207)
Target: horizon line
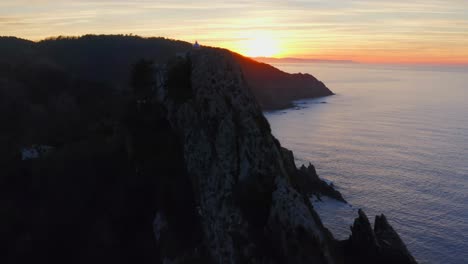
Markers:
point(350, 61)
point(305, 58)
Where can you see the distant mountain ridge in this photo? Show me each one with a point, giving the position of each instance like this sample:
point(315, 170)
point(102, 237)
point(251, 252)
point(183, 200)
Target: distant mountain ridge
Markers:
point(108, 58)
point(298, 60)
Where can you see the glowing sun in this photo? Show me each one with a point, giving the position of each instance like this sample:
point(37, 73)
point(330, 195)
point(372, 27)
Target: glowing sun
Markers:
point(261, 46)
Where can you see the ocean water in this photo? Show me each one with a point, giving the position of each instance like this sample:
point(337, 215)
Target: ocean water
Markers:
point(393, 140)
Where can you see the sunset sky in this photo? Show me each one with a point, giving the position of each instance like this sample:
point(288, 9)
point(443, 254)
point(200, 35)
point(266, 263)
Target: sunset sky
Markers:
point(417, 31)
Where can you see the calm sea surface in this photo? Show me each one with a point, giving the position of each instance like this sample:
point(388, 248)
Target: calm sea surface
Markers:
point(394, 140)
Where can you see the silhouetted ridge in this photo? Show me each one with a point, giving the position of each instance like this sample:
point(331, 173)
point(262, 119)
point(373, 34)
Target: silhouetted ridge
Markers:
point(106, 59)
point(276, 89)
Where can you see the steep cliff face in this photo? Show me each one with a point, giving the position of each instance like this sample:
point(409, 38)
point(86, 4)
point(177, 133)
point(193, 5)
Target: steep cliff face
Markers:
point(248, 208)
point(252, 202)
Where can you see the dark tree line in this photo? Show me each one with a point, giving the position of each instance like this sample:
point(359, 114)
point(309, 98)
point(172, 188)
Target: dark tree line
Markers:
point(142, 78)
point(64, 89)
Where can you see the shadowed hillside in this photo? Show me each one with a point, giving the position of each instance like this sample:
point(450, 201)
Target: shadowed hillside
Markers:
point(106, 59)
point(276, 89)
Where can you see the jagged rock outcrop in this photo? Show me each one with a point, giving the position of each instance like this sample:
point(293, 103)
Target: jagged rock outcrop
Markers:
point(379, 245)
point(306, 180)
point(393, 248)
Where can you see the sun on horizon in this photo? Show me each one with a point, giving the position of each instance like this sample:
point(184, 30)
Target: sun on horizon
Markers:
point(423, 32)
point(260, 45)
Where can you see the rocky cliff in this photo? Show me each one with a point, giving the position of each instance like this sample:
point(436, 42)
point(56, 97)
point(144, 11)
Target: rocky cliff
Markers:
point(247, 206)
point(252, 202)
point(190, 174)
